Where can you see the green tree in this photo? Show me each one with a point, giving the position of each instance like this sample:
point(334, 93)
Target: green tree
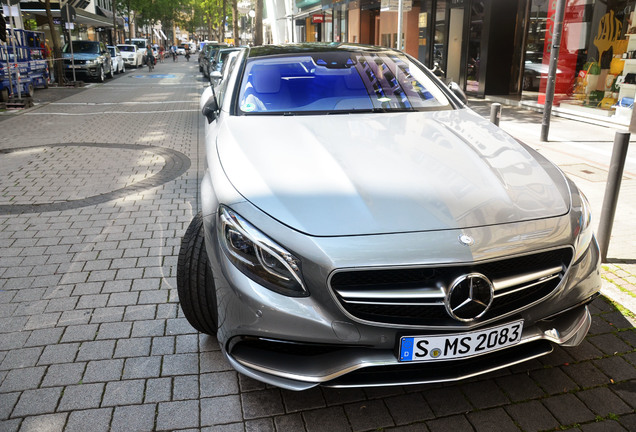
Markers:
point(258, 23)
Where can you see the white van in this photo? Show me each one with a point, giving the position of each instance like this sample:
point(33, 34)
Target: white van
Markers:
point(141, 43)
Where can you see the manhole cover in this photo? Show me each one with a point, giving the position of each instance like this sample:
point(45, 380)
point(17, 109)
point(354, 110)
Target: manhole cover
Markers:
point(66, 176)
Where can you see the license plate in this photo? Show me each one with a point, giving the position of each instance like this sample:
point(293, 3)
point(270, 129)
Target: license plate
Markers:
point(454, 346)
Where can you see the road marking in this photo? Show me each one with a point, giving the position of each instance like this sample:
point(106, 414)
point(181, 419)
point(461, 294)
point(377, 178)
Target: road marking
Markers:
point(121, 103)
point(113, 112)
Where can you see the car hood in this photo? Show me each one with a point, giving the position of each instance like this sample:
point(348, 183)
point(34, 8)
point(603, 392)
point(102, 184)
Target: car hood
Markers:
point(359, 174)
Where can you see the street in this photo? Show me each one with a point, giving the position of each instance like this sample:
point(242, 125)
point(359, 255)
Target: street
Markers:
point(96, 189)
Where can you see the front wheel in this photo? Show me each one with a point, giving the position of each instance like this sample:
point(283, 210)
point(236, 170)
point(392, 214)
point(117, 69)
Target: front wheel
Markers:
point(195, 282)
point(102, 76)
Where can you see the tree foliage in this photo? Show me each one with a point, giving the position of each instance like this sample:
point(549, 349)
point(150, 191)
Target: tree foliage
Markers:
point(190, 15)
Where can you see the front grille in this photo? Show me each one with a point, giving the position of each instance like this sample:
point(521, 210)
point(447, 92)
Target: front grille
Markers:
point(77, 62)
point(415, 296)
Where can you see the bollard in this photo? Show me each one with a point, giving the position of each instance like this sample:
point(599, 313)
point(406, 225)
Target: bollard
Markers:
point(495, 113)
point(614, 177)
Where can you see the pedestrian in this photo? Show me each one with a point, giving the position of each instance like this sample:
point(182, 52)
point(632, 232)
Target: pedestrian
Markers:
point(150, 59)
point(173, 50)
point(161, 54)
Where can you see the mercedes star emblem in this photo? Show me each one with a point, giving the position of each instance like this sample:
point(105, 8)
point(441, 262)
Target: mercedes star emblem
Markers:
point(469, 297)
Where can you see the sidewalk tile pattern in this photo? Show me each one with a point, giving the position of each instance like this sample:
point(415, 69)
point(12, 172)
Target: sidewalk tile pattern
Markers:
point(91, 334)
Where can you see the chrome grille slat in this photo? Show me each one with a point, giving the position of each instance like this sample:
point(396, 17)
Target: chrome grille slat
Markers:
point(384, 303)
point(524, 287)
point(421, 293)
point(523, 279)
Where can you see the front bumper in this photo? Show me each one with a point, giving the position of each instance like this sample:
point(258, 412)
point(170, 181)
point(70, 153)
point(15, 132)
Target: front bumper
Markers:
point(298, 343)
point(88, 71)
point(290, 367)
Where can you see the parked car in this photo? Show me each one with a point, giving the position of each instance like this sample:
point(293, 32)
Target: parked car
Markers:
point(212, 50)
point(216, 64)
point(91, 60)
point(181, 50)
point(132, 56)
point(204, 55)
point(360, 226)
point(117, 60)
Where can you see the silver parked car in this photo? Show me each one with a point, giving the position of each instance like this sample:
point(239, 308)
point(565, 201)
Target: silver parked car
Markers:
point(360, 226)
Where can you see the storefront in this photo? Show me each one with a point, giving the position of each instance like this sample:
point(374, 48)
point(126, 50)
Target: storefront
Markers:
point(596, 72)
point(91, 24)
point(502, 48)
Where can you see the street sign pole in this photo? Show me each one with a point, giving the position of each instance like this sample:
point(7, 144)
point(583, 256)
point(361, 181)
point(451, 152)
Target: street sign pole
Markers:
point(552, 71)
point(69, 11)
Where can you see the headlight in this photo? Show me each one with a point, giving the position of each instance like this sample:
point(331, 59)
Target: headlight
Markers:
point(91, 62)
point(258, 257)
point(585, 233)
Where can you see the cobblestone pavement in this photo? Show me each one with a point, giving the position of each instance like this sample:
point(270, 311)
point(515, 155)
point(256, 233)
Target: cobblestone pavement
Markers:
point(96, 190)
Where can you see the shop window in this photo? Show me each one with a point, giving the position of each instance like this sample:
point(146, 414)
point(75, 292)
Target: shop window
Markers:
point(474, 46)
point(439, 43)
point(596, 71)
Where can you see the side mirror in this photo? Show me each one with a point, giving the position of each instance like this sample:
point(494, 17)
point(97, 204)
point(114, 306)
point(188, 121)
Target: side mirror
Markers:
point(210, 108)
point(457, 91)
point(216, 75)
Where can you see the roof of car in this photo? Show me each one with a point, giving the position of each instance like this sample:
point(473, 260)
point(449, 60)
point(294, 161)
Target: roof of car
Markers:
point(268, 50)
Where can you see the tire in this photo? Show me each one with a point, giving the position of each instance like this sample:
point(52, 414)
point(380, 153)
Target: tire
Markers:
point(102, 77)
point(111, 74)
point(195, 282)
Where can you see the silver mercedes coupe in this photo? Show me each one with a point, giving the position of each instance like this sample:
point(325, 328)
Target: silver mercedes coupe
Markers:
point(361, 226)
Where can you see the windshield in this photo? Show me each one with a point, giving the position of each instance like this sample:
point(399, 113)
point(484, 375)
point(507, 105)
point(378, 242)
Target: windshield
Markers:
point(223, 54)
point(83, 47)
point(213, 50)
point(139, 43)
point(112, 51)
point(337, 82)
point(127, 48)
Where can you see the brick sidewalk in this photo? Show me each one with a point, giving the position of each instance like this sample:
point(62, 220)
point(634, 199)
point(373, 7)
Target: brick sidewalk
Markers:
point(91, 335)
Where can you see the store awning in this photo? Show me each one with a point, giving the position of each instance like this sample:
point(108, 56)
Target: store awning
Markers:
point(163, 35)
point(82, 17)
point(108, 14)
